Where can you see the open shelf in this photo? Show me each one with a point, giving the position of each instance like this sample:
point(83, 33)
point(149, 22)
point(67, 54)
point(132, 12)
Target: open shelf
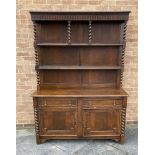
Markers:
point(77, 44)
point(76, 67)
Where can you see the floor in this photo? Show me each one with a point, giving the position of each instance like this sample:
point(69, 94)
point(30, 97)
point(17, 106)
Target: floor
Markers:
point(26, 145)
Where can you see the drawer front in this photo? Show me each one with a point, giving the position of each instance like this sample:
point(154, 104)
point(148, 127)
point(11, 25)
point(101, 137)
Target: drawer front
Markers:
point(101, 103)
point(57, 103)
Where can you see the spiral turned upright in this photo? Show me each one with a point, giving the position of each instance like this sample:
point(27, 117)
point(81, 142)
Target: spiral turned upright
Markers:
point(69, 31)
point(90, 31)
point(36, 121)
point(123, 50)
point(123, 116)
point(36, 51)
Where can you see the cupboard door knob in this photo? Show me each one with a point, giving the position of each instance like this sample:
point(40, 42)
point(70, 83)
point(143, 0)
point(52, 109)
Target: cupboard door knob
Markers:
point(45, 104)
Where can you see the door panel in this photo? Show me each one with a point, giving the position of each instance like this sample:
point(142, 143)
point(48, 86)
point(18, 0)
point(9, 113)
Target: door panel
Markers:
point(58, 122)
point(101, 117)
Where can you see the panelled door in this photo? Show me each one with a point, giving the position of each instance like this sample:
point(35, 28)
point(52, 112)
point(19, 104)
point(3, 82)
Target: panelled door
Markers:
point(101, 117)
point(58, 117)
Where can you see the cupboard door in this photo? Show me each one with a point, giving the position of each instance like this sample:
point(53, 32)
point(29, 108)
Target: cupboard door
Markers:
point(101, 117)
point(58, 117)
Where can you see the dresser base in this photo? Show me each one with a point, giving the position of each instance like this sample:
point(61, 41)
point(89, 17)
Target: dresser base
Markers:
point(80, 118)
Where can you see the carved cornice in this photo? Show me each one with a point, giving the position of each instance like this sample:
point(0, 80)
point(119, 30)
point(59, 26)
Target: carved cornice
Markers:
point(49, 16)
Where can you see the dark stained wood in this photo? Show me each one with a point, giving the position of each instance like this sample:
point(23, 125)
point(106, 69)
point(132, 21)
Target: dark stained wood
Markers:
point(99, 56)
point(79, 64)
point(47, 32)
point(81, 56)
point(106, 78)
point(79, 32)
point(103, 32)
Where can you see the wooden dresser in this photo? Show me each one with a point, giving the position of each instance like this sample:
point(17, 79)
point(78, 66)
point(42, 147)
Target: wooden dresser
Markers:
point(79, 65)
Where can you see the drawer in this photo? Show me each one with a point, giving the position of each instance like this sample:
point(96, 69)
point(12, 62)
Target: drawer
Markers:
point(102, 103)
point(54, 102)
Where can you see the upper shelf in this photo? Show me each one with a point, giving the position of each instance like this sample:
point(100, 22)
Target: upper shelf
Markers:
point(77, 44)
point(77, 67)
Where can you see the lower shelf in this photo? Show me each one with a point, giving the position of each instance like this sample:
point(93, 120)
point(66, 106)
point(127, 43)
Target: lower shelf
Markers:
point(80, 117)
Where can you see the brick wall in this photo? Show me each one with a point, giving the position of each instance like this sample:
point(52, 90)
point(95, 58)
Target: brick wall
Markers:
point(26, 77)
